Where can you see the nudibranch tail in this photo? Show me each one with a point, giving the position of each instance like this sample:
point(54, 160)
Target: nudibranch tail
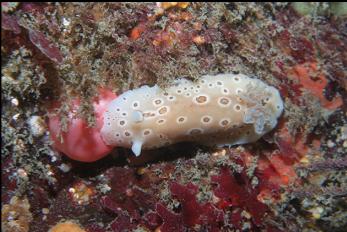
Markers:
point(225, 109)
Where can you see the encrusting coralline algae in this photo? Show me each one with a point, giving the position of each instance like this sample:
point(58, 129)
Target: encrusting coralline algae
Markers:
point(225, 109)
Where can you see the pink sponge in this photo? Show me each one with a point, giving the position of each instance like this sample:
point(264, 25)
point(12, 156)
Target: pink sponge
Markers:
point(81, 142)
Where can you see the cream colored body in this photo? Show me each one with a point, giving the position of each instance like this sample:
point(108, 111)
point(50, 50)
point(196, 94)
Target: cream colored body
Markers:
point(225, 109)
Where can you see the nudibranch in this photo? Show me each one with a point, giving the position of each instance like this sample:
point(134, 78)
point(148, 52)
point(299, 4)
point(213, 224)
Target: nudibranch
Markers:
point(222, 110)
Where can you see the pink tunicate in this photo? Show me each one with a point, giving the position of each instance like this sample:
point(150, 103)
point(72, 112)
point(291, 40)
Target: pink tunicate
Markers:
point(81, 142)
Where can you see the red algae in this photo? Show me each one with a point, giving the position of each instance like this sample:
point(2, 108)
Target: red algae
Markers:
point(9, 22)
point(237, 192)
point(190, 208)
point(129, 200)
point(122, 222)
point(152, 220)
point(300, 48)
point(193, 213)
point(171, 221)
point(45, 46)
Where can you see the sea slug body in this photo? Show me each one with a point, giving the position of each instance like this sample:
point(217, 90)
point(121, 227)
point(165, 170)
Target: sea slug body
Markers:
point(226, 109)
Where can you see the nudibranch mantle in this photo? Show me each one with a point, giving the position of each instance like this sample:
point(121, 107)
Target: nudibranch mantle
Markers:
point(225, 109)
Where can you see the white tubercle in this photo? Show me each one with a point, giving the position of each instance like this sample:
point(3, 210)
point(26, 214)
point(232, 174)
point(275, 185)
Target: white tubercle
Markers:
point(136, 147)
point(225, 109)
